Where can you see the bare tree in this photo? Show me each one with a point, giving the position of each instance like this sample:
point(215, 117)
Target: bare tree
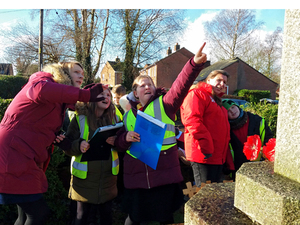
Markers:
point(229, 30)
point(145, 32)
point(273, 52)
point(265, 55)
point(24, 47)
point(253, 52)
point(82, 34)
point(86, 30)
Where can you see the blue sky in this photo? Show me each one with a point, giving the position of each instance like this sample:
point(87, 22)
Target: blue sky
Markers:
point(192, 39)
point(272, 17)
point(9, 15)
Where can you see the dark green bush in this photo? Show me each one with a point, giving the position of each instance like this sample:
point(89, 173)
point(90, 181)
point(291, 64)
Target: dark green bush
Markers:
point(268, 111)
point(11, 85)
point(57, 195)
point(253, 95)
point(8, 214)
point(3, 106)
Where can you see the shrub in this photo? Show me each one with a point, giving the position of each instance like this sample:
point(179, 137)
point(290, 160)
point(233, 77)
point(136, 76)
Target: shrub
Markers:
point(8, 214)
point(3, 106)
point(268, 111)
point(11, 85)
point(56, 196)
point(253, 95)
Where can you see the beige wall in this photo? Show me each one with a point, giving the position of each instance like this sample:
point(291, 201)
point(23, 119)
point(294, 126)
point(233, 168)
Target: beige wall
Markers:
point(108, 75)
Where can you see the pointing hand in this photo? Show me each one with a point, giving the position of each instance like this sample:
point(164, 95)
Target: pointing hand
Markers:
point(200, 57)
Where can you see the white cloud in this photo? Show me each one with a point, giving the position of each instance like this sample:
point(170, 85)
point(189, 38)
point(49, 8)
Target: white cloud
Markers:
point(6, 26)
point(4, 43)
point(194, 35)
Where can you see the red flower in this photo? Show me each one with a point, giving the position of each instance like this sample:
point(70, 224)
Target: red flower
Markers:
point(252, 147)
point(269, 150)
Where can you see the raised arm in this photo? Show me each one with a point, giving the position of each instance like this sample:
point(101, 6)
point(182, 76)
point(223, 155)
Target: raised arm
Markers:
point(175, 96)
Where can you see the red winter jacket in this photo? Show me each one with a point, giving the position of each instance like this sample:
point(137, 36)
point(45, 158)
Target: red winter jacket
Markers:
point(207, 129)
point(28, 128)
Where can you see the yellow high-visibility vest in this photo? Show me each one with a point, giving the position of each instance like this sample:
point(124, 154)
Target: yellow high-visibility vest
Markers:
point(118, 113)
point(79, 168)
point(156, 110)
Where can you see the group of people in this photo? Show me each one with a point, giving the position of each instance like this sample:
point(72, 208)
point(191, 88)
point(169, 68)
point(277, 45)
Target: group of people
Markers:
point(216, 129)
point(32, 123)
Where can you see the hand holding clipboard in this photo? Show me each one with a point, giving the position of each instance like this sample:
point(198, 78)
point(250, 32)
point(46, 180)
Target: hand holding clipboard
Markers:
point(99, 149)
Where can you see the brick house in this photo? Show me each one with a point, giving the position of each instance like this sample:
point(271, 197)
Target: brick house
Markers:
point(112, 72)
point(165, 71)
point(6, 69)
point(242, 76)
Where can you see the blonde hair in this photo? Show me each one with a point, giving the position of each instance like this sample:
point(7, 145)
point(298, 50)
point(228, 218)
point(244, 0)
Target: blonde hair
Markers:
point(67, 66)
point(138, 79)
point(61, 71)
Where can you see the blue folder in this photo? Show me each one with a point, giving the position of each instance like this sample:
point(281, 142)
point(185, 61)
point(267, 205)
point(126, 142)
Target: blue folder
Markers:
point(152, 132)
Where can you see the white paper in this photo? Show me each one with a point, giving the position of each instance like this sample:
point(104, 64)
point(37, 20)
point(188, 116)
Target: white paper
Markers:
point(110, 127)
point(151, 119)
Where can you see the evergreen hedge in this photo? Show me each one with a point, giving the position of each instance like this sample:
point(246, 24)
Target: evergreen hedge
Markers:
point(253, 95)
point(268, 111)
point(11, 85)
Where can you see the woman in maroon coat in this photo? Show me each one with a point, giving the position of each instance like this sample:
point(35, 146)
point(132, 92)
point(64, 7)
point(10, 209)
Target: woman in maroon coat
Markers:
point(153, 195)
point(27, 131)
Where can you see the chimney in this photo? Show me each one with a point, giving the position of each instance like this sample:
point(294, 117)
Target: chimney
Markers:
point(176, 47)
point(169, 51)
point(117, 59)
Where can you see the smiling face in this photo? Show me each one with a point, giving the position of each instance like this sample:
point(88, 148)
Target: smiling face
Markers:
point(76, 74)
point(144, 90)
point(218, 83)
point(233, 112)
point(106, 102)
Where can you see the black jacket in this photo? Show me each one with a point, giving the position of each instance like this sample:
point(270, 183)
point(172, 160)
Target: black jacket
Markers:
point(237, 145)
